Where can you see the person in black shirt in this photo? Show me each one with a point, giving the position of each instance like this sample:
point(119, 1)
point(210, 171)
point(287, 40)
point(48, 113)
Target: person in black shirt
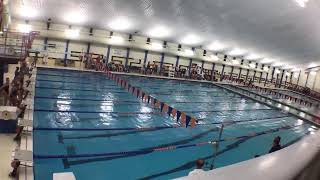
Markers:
point(276, 144)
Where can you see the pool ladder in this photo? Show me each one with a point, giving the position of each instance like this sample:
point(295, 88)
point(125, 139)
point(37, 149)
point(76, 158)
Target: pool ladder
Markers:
point(216, 146)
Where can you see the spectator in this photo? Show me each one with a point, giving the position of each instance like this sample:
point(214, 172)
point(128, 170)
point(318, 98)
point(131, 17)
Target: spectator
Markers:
point(198, 170)
point(4, 90)
point(15, 165)
point(276, 144)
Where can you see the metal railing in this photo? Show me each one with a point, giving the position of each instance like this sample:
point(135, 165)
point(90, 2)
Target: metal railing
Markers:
point(16, 44)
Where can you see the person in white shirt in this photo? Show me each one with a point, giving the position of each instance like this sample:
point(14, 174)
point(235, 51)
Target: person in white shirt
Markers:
point(198, 170)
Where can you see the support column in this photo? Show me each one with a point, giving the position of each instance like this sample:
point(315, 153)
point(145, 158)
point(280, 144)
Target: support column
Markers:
point(127, 57)
point(161, 61)
point(254, 75)
point(145, 58)
point(202, 63)
point(45, 43)
point(247, 75)
point(261, 73)
point(305, 85)
point(190, 65)
point(222, 72)
point(276, 81)
point(265, 81)
point(88, 47)
point(281, 79)
point(239, 76)
point(298, 78)
point(231, 73)
point(272, 74)
point(177, 61)
point(1, 73)
point(108, 54)
point(212, 71)
point(66, 54)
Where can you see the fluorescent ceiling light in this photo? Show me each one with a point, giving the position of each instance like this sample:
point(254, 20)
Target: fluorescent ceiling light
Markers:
point(74, 17)
point(159, 32)
point(295, 69)
point(313, 72)
point(235, 62)
point(72, 33)
point(190, 39)
point(24, 28)
point(27, 12)
point(302, 3)
point(252, 65)
point(120, 24)
point(216, 46)
point(266, 61)
point(312, 65)
point(236, 52)
point(214, 57)
point(156, 46)
point(116, 39)
point(188, 52)
point(288, 67)
point(252, 57)
point(277, 64)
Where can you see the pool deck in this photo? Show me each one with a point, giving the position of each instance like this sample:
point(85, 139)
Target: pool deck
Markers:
point(271, 166)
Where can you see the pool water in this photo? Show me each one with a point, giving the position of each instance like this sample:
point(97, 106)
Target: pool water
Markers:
point(83, 121)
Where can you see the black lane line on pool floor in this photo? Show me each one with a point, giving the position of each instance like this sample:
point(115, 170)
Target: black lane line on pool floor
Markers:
point(174, 102)
point(67, 163)
point(74, 89)
point(61, 138)
point(72, 82)
point(130, 113)
point(190, 164)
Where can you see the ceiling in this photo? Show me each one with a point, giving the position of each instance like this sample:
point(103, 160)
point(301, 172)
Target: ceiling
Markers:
point(276, 29)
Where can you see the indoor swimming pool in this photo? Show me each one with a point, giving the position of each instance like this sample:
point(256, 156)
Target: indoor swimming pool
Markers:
point(86, 124)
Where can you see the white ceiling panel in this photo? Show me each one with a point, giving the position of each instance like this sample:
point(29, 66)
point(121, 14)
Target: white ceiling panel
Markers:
point(278, 29)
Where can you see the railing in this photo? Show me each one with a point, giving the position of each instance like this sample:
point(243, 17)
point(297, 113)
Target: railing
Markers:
point(16, 44)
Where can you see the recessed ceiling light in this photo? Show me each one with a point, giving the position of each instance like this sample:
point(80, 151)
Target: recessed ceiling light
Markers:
point(302, 3)
point(295, 69)
point(27, 12)
point(156, 46)
point(235, 62)
point(313, 72)
point(116, 39)
point(24, 28)
point(72, 33)
point(252, 65)
point(188, 52)
point(252, 57)
point(190, 39)
point(120, 24)
point(214, 57)
point(236, 52)
point(277, 64)
point(216, 46)
point(159, 32)
point(312, 65)
point(266, 61)
point(74, 17)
